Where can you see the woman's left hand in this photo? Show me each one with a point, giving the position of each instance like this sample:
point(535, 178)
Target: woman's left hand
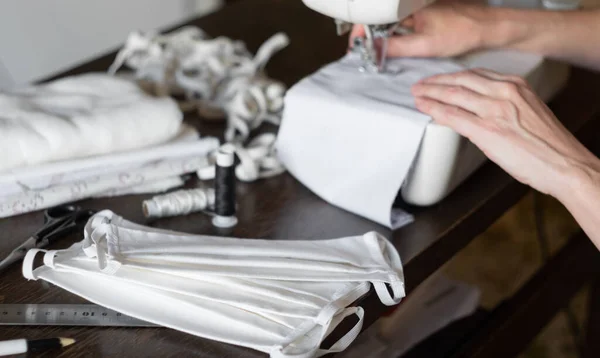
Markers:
point(503, 116)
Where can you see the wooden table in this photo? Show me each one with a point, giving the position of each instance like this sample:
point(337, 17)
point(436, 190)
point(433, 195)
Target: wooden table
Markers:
point(281, 208)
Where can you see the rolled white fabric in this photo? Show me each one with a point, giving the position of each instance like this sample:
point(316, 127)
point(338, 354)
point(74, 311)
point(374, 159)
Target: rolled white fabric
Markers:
point(156, 186)
point(43, 176)
point(81, 116)
point(119, 181)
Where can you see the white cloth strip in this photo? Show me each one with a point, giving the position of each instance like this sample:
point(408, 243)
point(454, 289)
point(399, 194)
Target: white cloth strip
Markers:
point(214, 73)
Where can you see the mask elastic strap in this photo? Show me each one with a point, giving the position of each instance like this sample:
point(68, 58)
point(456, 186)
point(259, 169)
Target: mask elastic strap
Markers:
point(384, 294)
point(325, 319)
point(49, 258)
point(338, 346)
point(101, 218)
point(96, 245)
point(349, 337)
point(27, 268)
point(373, 242)
point(51, 255)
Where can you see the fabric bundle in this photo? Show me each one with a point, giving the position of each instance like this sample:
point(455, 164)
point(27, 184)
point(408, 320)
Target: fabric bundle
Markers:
point(102, 134)
point(81, 116)
point(91, 135)
point(37, 177)
point(278, 297)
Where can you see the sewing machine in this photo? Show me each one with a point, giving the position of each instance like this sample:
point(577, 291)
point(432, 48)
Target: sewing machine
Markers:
point(380, 19)
point(445, 159)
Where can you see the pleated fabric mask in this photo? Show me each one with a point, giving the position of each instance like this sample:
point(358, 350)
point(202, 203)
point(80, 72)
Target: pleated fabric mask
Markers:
point(278, 297)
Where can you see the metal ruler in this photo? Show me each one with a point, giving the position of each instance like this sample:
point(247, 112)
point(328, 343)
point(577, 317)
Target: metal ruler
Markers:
point(65, 315)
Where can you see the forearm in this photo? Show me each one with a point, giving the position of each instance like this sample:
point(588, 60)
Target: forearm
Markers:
point(571, 36)
point(581, 197)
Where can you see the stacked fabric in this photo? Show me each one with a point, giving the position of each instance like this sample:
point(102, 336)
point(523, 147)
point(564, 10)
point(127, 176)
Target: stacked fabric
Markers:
point(103, 134)
point(281, 297)
point(91, 135)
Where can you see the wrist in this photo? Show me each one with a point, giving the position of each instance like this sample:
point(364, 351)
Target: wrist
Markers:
point(523, 30)
point(498, 28)
point(579, 183)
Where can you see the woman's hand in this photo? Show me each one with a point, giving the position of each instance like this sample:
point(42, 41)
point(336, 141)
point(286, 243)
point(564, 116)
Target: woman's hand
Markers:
point(444, 29)
point(450, 28)
point(502, 116)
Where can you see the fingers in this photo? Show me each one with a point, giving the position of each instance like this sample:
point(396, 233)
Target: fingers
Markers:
point(493, 75)
point(458, 96)
point(411, 45)
point(408, 45)
point(408, 22)
point(485, 82)
point(357, 31)
point(517, 86)
point(461, 121)
point(467, 79)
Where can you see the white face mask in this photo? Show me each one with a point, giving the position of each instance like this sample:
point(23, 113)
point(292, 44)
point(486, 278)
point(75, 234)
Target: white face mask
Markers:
point(278, 297)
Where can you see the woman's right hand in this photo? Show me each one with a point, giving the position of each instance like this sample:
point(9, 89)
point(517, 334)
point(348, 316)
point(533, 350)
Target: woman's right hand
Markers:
point(444, 29)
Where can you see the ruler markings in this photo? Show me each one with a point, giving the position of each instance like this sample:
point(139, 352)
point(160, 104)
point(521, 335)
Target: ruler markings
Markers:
point(65, 315)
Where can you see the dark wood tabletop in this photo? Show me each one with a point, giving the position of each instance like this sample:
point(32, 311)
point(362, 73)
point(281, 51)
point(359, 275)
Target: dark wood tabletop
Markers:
point(280, 207)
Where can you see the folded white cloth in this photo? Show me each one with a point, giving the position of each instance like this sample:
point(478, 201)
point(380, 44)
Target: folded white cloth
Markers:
point(149, 177)
point(150, 187)
point(351, 137)
point(43, 176)
point(81, 116)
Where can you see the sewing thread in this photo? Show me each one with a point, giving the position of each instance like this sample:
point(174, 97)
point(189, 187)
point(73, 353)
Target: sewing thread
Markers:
point(181, 202)
point(225, 180)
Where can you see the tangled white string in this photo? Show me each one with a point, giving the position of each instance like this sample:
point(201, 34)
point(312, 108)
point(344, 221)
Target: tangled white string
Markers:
point(253, 102)
point(217, 73)
point(181, 202)
point(257, 160)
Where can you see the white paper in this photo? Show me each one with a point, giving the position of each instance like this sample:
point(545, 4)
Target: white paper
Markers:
point(352, 137)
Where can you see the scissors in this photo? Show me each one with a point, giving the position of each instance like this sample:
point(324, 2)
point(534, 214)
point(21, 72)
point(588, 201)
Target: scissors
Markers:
point(58, 222)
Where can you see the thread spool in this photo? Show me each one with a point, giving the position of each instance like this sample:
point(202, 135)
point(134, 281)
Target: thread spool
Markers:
point(181, 202)
point(225, 180)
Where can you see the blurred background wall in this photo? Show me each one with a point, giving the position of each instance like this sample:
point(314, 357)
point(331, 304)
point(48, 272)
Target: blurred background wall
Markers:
point(39, 38)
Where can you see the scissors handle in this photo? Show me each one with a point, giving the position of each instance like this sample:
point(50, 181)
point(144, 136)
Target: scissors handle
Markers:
point(61, 211)
point(58, 222)
point(61, 221)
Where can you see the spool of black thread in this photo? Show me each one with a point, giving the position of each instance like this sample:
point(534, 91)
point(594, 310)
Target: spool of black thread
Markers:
point(225, 180)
